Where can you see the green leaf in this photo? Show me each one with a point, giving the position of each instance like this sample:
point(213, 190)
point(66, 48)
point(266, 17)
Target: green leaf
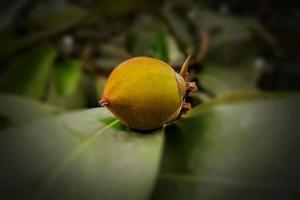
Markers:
point(66, 76)
point(237, 38)
point(55, 14)
point(50, 17)
point(149, 37)
point(238, 147)
point(179, 31)
point(9, 13)
point(15, 110)
point(28, 74)
point(81, 155)
point(69, 88)
point(230, 63)
point(221, 79)
point(113, 8)
point(159, 46)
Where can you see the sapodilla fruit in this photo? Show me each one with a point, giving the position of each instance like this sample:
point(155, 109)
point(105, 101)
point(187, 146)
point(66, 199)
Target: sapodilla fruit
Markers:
point(145, 93)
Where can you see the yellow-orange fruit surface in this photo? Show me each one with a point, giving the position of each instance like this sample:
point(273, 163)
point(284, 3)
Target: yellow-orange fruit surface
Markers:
point(143, 93)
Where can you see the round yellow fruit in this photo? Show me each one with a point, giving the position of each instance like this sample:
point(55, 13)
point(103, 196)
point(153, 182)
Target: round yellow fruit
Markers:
point(144, 93)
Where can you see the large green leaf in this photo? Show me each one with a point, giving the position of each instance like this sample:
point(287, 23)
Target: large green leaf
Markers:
point(28, 75)
point(81, 155)
point(16, 110)
point(234, 148)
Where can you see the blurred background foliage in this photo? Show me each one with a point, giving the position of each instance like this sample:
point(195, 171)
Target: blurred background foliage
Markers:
point(60, 52)
point(55, 57)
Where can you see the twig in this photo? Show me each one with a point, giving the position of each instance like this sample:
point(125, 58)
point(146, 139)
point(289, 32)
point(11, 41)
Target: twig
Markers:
point(203, 46)
point(201, 50)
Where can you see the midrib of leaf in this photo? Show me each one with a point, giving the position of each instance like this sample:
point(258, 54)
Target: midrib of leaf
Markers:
point(192, 179)
point(68, 161)
point(235, 98)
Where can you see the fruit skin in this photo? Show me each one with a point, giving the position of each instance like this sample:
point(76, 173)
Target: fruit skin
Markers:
point(143, 93)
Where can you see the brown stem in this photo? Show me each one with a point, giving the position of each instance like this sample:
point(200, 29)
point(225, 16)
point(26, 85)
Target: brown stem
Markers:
point(201, 52)
point(203, 46)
